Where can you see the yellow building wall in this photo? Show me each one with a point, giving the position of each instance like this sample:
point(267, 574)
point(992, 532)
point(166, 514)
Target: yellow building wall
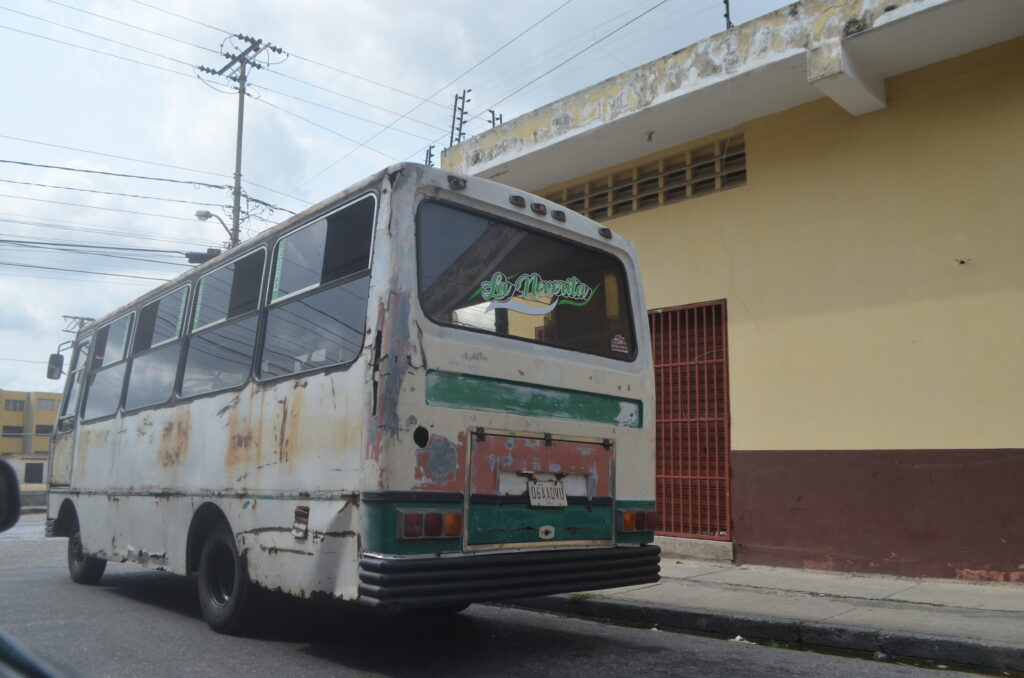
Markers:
point(12, 444)
point(852, 324)
point(28, 448)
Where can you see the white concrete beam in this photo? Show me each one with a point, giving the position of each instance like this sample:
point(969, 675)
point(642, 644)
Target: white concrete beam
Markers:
point(853, 87)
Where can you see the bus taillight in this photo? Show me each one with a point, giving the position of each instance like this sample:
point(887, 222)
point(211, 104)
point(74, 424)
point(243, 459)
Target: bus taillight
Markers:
point(429, 524)
point(638, 521)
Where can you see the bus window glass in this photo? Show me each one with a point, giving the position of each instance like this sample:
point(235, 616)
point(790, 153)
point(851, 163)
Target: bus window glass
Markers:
point(329, 249)
point(104, 392)
point(317, 330)
point(151, 381)
point(106, 378)
point(229, 291)
point(486, 274)
point(76, 372)
point(112, 341)
point(161, 320)
point(220, 358)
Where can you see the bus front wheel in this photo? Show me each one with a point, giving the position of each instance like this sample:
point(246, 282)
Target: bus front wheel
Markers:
point(83, 568)
point(224, 590)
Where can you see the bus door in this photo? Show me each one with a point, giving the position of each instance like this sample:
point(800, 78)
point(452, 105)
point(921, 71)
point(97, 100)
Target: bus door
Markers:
point(62, 459)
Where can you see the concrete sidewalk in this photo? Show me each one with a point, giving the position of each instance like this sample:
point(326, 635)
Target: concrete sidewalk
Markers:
point(945, 621)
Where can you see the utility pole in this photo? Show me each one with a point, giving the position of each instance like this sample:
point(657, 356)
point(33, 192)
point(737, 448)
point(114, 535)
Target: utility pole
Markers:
point(242, 60)
point(728, 19)
point(495, 118)
point(429, 160)
point(74, 323)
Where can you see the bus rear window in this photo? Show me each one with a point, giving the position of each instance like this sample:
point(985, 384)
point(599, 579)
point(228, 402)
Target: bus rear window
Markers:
point(487, 274)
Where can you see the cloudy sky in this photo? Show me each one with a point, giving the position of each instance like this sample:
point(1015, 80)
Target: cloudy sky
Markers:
point(110, 141)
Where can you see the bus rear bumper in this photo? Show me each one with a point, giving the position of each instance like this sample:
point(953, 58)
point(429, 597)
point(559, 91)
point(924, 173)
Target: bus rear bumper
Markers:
point(414, 583)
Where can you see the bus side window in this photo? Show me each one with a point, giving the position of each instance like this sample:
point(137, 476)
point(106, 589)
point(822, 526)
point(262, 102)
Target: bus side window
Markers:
point(156, 349)
point(220, 350)
point(318, 294)
point(106, 374)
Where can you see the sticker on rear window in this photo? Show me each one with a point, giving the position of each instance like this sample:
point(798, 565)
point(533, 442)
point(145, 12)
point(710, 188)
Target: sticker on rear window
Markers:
point(530, 287)
point(620, 344)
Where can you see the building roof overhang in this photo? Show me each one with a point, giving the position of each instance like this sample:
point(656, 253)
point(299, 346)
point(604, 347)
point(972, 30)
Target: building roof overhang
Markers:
point(841, 49)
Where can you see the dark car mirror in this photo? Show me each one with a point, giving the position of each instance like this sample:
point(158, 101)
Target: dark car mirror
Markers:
point(55, 366)
point(10, 499)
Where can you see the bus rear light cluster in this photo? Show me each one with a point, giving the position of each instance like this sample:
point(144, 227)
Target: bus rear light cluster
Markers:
point(638, 521)
point(429, 524)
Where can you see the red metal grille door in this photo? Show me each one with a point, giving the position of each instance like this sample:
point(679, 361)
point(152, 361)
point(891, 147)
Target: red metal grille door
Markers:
point(692, 418)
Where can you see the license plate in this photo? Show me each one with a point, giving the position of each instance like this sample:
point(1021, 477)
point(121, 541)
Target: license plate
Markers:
point(549, 493)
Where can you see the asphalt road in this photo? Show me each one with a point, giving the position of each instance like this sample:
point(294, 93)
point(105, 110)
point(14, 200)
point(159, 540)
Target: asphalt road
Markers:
point(143, 623)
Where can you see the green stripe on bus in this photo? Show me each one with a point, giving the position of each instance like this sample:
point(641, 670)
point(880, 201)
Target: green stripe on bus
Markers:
point(504, 524)
point(466, 392)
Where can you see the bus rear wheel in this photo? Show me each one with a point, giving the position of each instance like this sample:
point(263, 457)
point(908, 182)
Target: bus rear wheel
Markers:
point(224, 589)
point(83, 568)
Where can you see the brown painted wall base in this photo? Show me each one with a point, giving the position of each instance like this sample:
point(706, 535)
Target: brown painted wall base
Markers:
point(931, 513)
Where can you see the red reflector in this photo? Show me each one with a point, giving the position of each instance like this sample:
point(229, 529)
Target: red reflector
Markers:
point(412, 525)
point(641, 521)
point(652, 520)
point(432, 525)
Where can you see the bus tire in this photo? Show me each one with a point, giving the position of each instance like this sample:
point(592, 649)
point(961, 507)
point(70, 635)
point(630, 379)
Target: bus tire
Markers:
point(224, 588)
point(83, 568)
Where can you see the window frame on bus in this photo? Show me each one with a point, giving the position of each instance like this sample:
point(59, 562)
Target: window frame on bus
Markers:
point(194, 333)
point(122, 362)
point(137, 354)
point(270, 305)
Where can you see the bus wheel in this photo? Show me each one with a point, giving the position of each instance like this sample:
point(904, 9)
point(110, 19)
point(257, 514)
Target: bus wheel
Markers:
point(224, 589)
point(83, 568)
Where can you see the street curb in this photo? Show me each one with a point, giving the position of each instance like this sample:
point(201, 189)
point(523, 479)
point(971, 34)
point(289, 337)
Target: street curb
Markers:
point(905, 644)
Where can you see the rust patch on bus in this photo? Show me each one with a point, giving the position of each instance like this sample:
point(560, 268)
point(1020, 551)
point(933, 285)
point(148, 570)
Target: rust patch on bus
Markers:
point(439, 464)
point(174, 437)
point(495, 454)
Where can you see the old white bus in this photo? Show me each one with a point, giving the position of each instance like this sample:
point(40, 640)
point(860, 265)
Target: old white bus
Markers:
point(427, 391)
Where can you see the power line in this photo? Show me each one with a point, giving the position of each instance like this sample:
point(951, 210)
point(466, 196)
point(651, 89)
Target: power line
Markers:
point(117, 174)
point(69, 278)
point(138, 28)
point(98, 51)
point(94, 35)
point(624, 37)
point(335, 110)
point(560, 64)
point(198, 184)
point(76, 270)
point(71, 250)
point(180, 16)
point(351, 98)
point(462, 75)
point(300, 58)
point(94, 207)
point(89, 190)
point(329, 130)
point(89, 228)
point(119, 248)
point(365, 79)
point(149, 162)
point(19, 360)
point(118, 157)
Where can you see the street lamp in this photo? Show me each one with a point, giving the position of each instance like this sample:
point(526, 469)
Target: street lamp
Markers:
point(204, 215)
